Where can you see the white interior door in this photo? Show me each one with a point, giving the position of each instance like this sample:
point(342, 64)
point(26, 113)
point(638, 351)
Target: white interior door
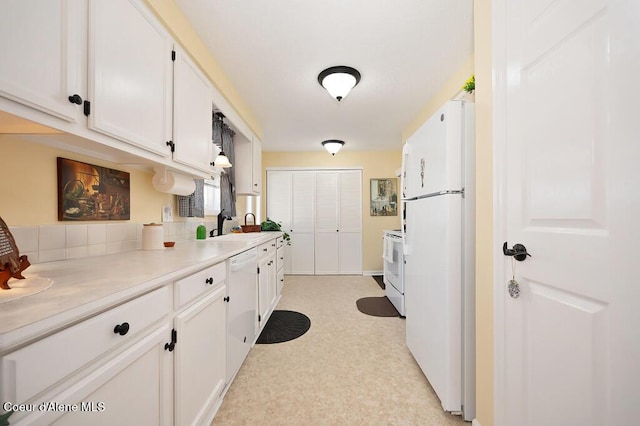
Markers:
point(567, 348)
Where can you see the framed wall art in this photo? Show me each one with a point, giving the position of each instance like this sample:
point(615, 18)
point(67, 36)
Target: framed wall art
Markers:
point(384, 197)
point(88, 192)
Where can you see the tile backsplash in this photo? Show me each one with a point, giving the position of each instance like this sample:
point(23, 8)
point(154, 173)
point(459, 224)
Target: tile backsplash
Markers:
point(47, 243)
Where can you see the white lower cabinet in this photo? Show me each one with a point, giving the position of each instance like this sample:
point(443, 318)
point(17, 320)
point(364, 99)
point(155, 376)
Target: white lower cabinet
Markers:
point(200, 358)
point(132, 389)
point(267, 288)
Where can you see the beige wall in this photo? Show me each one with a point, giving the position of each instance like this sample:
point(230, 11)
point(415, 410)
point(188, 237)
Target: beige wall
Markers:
point(484, 213)
point(29, 192)
point(375, 164)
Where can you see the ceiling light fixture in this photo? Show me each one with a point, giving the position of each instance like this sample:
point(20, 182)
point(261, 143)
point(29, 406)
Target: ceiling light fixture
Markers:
point(333, 146)
point(221, 160)
point(339, 80)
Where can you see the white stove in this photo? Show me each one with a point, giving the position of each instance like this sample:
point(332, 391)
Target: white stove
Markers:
point(394, 269)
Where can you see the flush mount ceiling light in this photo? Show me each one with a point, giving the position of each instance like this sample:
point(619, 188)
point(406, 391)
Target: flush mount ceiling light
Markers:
point(339, 80)
point(221, 160)
point(333, 145)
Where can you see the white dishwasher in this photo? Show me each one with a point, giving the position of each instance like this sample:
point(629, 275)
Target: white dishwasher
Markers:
point(241, 308)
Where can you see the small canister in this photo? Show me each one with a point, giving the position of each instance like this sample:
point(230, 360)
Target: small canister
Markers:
point(152, 236)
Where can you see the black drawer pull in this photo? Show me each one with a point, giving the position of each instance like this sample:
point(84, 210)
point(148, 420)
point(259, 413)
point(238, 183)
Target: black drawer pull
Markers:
point(226, 299)
point(121, 329)
point(209, 280)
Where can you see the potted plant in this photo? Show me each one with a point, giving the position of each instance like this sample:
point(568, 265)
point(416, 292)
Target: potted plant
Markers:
point(269, 225)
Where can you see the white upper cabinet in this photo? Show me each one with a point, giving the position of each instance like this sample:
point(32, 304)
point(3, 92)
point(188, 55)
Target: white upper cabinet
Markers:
point(43, 59)
point(248, 164)
point(130, 75)
point(192, 114)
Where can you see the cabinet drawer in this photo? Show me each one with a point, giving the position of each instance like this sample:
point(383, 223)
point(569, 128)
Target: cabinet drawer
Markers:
point(197, 284)
point(265, 249)
point(279, 242)
point(279, 258)
point(30, 370)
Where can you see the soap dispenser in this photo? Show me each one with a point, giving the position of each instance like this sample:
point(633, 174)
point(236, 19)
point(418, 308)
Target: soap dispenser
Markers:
point(201, 232)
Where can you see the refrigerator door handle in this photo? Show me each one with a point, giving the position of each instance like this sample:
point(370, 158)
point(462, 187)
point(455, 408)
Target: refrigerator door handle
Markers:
point(436, 194)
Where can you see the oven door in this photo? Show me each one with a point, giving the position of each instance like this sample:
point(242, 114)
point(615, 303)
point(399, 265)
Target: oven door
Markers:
point(393, 262)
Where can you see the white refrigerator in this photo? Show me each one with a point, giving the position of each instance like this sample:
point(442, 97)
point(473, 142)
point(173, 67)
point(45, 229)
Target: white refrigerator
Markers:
point(439, 244)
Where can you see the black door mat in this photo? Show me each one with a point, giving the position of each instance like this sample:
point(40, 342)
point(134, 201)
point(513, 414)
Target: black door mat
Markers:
point(284, 326)
point(379, 280)
point(377, 307)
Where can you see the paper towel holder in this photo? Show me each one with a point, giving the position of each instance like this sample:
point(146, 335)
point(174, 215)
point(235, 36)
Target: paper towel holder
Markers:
point(163, 177)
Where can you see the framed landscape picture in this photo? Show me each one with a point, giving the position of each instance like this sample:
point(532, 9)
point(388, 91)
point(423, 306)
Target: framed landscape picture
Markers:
point(384, 197)
point(88, 192)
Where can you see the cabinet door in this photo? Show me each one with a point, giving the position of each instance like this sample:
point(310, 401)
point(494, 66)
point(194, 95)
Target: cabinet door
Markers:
point(257, 166)
point(130, 74)
point(192, 112)
point(248, 163)
point(263, 289)
point(44, 64)
point(273, 283)
point(200, 357)
point(133, 388)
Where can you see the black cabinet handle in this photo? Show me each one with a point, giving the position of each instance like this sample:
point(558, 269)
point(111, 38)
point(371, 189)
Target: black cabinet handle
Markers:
point(75, 99)
point(121, 329)
point(209, 280)
point(226, 299)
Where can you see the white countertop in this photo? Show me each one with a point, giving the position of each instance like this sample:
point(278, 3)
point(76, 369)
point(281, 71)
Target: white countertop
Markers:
point(83, 287)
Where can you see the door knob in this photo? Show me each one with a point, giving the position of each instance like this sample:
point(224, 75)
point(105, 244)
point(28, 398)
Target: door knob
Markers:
point(519, 251)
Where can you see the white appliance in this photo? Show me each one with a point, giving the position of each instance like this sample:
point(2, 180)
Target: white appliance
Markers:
point(439, 239)
point(241, 308)
point(393, 267)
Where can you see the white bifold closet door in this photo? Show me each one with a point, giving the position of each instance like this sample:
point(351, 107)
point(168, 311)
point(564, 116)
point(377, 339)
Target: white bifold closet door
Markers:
point(338, 226)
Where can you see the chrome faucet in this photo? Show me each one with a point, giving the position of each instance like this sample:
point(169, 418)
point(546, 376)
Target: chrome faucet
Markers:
point(221, 218)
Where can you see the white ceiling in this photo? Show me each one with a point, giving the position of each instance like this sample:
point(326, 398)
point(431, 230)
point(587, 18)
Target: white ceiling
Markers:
point(273, 51)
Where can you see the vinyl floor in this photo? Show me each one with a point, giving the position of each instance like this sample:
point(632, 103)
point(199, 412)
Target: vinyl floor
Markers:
point(348, 369)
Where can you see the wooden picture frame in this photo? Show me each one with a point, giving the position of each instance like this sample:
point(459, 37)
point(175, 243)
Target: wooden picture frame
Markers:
point(384, 197)
point(89, 192)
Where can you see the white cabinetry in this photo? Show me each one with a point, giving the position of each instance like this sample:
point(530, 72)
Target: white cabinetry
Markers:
point(130, 75)
point(279, 266)
point(111, 358)
point(43, 60)
point(248, 164)
point(267, 287)
point(192, 112)
point(291, 201)
point(110, 61)
point(134, 388)
point(200, 353)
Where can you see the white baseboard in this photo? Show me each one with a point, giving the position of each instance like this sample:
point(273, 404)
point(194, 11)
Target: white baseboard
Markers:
point(475, 422)
point(371, 273)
